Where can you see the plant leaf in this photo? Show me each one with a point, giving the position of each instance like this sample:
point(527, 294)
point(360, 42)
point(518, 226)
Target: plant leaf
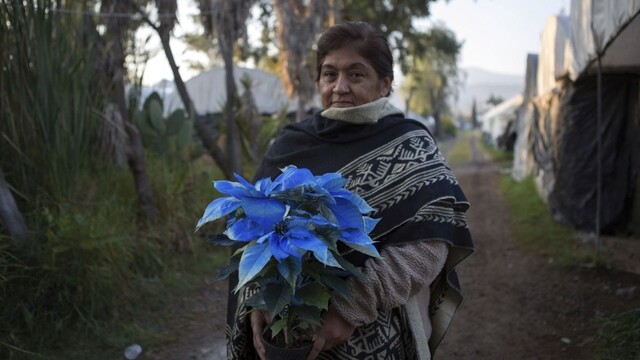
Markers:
point(347, 214)
point(254, 258)
point(218, 208)
point(244, 229)
point(290, 268)
point(315, 294)
point(264, 211)
point(276, 327)
point(221, 239)
point(310, 314)
point(348, 266)
point(225, 271)
point(256, 301)
point(336, 283)
point(276, 296)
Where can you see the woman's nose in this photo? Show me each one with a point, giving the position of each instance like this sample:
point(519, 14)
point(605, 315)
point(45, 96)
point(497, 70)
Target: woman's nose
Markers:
point(342, 85)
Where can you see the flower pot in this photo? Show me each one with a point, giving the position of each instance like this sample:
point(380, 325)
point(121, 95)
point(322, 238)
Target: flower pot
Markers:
point(276, 352)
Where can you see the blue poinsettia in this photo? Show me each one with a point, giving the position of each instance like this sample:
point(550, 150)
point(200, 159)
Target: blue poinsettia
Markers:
point(288, 231)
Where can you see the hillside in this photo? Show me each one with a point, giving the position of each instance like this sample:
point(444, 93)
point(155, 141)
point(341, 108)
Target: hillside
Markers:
point(481, 84)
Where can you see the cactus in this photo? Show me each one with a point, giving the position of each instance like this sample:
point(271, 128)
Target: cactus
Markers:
point(165, 136)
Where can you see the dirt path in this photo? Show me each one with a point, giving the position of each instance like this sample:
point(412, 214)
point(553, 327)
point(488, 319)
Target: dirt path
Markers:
point(517, 306)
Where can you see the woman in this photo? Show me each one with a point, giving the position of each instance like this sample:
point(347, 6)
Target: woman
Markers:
point(404, 304)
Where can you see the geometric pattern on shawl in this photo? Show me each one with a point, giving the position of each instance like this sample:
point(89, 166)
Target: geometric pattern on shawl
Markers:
point(404, 177)
point(391, 178)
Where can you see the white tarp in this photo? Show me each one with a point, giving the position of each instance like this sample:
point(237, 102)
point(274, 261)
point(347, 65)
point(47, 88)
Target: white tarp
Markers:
point(555, 52)
point(523, 160)
point(209, 93)
point(570, 45)
point(496, 120)
point(595, 24)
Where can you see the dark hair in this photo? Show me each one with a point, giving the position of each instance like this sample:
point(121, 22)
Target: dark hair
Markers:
point(367, 41)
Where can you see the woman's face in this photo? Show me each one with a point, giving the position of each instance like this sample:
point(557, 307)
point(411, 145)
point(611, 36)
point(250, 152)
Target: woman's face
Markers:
point(347, 79)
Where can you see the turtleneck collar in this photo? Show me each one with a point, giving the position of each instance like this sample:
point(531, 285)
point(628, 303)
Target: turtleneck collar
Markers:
point(368, 113)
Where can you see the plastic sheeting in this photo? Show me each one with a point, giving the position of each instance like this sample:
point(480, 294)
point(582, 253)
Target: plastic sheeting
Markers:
point(558, 125)
point(595, 24)
point(209, 93)
point(555, 53)
point(523, 162)
point(570, 45)
point(571, 148)
point(497, 121)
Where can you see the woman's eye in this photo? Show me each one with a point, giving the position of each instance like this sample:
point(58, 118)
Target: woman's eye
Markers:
point(329, 74)
point(357, 75)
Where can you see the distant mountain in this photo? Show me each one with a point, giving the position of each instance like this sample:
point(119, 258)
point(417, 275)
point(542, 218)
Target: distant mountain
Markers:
point(481, 84)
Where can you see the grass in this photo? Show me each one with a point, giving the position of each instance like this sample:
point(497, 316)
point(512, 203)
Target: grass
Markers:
point(536, 231)
point(619, 336)
point(96, 279)
point(500, 156)
point(460, 153)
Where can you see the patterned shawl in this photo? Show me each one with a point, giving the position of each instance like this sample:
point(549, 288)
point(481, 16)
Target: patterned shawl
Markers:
point(396, 167)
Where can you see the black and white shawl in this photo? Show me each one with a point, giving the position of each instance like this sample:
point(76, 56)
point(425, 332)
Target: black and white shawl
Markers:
point(395, 165)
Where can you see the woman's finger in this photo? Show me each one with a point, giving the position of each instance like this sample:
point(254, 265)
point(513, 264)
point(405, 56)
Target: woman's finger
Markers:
point(318, 345)
point(257, 324)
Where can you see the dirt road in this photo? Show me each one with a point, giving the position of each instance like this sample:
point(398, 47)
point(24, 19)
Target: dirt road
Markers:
point(517, 305)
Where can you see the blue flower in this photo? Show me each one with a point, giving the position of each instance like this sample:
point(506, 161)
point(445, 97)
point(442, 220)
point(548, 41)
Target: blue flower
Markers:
point(254, 200)
point(285, 219)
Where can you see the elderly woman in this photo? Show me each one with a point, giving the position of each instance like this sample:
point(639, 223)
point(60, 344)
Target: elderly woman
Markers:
point(402, 307)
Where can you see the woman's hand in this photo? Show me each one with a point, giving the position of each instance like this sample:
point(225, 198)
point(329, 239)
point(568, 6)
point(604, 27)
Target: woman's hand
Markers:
point(258, 319)
point(333, 332)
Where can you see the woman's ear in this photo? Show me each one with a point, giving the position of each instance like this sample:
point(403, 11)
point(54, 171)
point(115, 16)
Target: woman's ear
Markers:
point(386, 86)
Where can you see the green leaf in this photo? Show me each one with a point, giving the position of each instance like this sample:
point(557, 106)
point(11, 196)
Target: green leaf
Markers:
point(308, 314)
point(336, 283)
point(175, 122)
point(256, 301)
point(185, 135)
point(316, 295)
point(348, 266)
point(155, 117)
point(225, 271)
point(276, 296)
point(290, 269)
point(276, 327)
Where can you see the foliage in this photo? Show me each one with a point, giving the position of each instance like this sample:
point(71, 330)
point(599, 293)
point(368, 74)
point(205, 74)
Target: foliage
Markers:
point(535, 229)
point(460, 152)
point(93, 275)
point(168, 137)
point(432, 80)
point(289, 230)
point(499, 155)
point(494, 100)
point(397, 21)
point(619, 336)
point(447, 126)
point(49, 98)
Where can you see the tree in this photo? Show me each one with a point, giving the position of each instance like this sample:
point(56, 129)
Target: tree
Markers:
point(494, 100)
point(227, 20)
point(434, 78)
point(396, 20)
point(115, 36)
point(297, 26)
point(474, 114)
point(166, 23)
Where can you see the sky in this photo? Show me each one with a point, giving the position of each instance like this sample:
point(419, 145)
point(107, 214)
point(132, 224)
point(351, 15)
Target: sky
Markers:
point(497, 35)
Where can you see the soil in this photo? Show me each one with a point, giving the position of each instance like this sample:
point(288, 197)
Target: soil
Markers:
point(517, 305)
